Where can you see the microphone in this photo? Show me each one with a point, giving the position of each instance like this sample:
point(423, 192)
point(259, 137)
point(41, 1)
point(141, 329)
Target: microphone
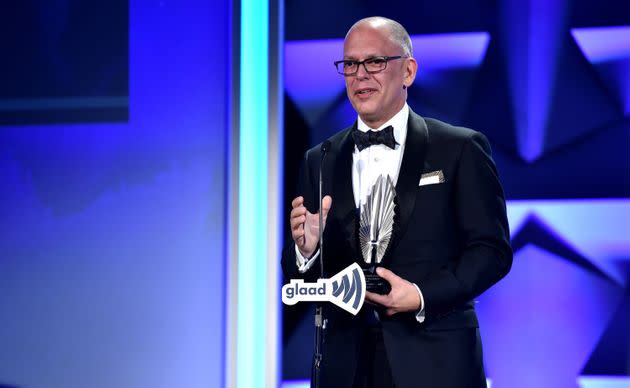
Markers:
point(320, 322)
point(323, 151)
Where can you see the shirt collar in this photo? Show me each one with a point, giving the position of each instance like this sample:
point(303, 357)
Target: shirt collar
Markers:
point(399, 122)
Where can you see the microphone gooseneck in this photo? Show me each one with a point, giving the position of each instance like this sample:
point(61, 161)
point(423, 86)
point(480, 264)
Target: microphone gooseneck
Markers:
point(324, 150)
point(320, 322)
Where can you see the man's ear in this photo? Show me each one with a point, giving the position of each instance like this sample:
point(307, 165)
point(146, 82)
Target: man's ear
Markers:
point(410, 72)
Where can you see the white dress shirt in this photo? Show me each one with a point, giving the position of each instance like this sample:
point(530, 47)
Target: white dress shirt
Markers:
point(367, 165)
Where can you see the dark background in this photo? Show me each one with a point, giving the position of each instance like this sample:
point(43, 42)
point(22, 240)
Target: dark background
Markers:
point(64, 61)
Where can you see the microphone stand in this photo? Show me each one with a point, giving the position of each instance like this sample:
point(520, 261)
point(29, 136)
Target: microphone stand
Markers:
point(320, 322)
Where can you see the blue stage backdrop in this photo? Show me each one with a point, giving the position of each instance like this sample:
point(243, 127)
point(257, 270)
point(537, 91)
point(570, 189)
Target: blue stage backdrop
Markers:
point(112, 204)
point(549, 83)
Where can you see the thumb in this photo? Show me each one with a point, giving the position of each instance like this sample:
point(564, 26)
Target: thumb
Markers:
point(326, 205)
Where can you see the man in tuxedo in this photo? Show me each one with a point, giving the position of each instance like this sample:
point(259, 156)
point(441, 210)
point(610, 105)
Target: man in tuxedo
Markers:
point(451, 239)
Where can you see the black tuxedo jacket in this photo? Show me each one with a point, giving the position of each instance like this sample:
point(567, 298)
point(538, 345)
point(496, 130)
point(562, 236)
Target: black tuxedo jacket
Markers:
point(451, 239)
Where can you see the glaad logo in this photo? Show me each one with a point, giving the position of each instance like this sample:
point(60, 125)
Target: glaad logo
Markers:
point(346, 290)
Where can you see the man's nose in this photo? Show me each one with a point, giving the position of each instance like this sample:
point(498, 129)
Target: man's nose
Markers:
point(362, 72)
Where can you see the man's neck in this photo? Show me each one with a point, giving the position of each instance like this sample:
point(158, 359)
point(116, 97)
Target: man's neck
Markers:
point(375, 125)
point(368, 125)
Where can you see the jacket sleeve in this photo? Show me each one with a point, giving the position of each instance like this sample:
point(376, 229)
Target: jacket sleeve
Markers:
point(481, 218)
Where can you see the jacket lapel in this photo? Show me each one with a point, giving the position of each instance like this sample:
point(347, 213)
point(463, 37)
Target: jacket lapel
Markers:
point(343, 196)
point(410, 170)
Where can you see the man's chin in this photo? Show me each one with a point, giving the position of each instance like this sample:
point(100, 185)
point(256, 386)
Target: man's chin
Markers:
point(366, 112)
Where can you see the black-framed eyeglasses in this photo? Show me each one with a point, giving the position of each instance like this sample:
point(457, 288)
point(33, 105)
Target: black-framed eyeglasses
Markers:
point(371, 65)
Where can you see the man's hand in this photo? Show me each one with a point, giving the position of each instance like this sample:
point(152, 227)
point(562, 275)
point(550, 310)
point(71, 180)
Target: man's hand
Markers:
point(403, 296)
point(305, 225)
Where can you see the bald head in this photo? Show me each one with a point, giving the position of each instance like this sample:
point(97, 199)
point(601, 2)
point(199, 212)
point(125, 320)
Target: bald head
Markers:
point(394, 30)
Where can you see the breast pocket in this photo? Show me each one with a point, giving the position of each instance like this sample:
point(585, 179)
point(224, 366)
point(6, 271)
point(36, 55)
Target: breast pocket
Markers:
point(433, 212)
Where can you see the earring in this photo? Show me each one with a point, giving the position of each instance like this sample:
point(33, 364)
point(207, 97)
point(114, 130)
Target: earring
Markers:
point(404, 87)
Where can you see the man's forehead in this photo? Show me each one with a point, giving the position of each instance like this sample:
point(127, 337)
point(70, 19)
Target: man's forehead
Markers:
point(367, 42)
point(363, 55)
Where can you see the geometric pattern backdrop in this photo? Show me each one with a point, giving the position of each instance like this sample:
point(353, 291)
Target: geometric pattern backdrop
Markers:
point(549, 83)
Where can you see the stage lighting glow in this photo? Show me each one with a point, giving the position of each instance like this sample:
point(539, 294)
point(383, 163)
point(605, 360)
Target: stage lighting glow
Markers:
point(604, 382)
point(251, 275)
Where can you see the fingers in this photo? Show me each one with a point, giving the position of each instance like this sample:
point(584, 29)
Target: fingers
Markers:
point(385, 301)
point(297, 219)
point(298, 201)
point(298, 215)
point(297, 229)
point(298, 211)
point(382, 300)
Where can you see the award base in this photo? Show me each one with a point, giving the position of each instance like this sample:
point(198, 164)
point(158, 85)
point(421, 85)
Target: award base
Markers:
point(375, 283)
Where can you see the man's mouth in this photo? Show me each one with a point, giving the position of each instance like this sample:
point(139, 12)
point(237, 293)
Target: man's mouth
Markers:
point(366, 92)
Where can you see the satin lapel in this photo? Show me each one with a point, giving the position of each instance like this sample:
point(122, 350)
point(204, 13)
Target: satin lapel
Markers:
point(343, 196)
point(411, 169)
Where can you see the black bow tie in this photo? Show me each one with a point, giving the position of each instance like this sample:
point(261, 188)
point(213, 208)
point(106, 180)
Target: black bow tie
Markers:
point(365, 139)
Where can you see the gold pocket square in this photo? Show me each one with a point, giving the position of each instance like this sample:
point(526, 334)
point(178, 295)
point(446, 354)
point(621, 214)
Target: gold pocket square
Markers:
point(431, 178)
